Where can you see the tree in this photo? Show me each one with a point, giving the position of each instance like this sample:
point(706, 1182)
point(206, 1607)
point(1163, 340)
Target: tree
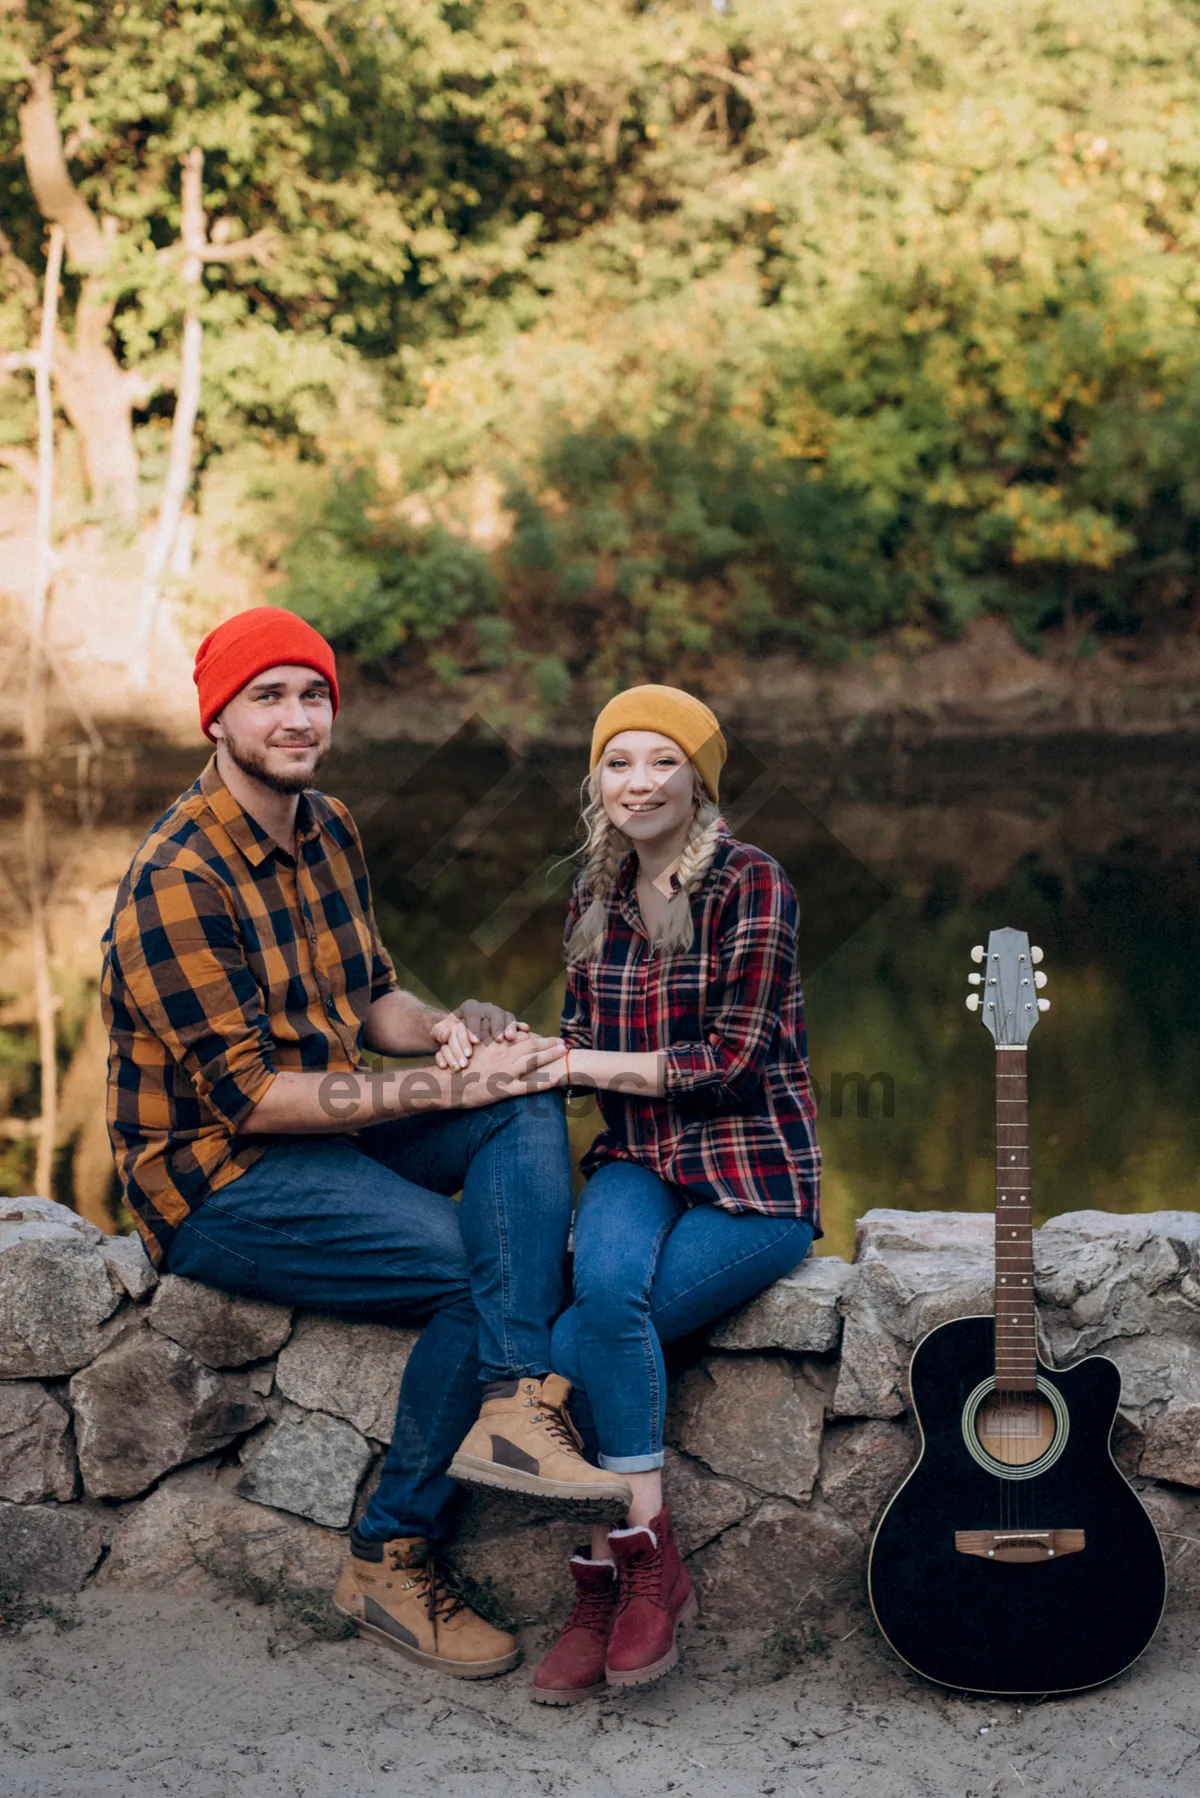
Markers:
point(707, 329)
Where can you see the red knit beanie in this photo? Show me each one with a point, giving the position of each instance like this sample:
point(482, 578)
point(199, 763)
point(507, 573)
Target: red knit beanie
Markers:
point(241, 648)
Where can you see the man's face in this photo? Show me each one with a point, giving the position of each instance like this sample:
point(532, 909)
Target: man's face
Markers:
point(278, 728)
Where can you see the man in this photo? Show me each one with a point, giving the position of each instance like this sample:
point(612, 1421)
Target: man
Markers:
point(243, 978)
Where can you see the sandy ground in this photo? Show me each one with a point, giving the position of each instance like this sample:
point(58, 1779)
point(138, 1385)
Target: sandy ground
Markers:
point(152, 1695)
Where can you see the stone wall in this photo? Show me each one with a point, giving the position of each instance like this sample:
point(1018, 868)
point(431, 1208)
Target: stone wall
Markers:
point(161, 1436)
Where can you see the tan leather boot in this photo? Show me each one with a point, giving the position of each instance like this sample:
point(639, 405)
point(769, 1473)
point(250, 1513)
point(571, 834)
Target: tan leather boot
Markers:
point(525, 1442)
point(395, 1593)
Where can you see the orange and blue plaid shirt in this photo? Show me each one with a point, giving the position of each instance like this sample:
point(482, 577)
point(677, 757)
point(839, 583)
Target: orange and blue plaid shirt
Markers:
point(228, 957)
point(737, 1125)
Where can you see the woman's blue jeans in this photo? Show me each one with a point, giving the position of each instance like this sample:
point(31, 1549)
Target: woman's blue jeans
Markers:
point(648, 1269)
point(368, 1227)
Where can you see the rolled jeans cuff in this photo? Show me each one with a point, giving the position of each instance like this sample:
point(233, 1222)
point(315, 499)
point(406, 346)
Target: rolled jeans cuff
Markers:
point(632, 1463)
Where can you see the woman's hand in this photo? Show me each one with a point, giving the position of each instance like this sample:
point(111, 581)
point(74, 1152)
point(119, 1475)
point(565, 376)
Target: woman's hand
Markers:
point(504, 1069)
point(474, 1022)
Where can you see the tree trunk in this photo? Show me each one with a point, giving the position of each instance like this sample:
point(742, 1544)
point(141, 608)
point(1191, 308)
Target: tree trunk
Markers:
point(98, 395)
point(183, 425)
point(37, 877)
point(43, 577)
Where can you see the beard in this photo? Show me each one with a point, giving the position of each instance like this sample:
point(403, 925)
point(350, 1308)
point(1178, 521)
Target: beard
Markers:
point(252, 761)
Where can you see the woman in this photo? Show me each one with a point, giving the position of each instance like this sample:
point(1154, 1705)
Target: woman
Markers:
point(684, 1012)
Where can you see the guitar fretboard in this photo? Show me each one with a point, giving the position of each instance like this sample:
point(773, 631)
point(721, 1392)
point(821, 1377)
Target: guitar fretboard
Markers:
point(1016, 1319)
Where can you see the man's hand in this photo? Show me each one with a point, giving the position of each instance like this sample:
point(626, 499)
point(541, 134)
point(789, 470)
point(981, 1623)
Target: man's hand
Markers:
point(474, 1022)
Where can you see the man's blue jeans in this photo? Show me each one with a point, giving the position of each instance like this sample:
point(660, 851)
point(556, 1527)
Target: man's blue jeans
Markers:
point(366, 1226)
point(649, 1269)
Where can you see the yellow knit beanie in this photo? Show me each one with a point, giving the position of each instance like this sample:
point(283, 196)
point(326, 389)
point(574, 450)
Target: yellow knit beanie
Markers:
point(677, 715)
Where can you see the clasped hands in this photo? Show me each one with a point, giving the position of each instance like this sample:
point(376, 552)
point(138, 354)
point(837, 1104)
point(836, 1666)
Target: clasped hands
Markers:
point(495, 1042)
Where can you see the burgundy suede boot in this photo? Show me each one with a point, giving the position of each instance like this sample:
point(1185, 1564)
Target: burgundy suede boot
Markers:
point(574, 1667)
point(656, 1597)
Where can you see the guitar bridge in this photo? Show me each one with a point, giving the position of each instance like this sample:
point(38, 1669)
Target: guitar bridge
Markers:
point(1019, 1545)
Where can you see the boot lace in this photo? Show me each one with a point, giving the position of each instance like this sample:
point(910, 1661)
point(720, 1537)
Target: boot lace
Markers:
point(592, 1608)
point(640, 1579)
point(556, 1420)
point(436, 1583)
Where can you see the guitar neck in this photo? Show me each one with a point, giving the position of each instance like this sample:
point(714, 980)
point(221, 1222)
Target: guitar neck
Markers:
point(1016, 1319)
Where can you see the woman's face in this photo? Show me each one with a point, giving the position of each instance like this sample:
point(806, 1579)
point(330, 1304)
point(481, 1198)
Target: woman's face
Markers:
point(647, 786)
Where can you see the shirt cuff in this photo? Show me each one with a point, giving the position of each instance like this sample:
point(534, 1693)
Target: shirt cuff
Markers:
point(692, 1068)
point(235, 1094)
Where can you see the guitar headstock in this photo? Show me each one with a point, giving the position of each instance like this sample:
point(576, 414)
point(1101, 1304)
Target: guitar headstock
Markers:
point(1009, 979)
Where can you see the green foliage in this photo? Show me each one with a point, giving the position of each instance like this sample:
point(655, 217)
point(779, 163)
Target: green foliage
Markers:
point(375, 582)
point(773, 326)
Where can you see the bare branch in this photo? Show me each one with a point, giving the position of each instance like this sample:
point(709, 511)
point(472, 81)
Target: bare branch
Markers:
point(309, 16)
point(261, 248)
point(22, 462)
point(58, 198)
point(744, 84)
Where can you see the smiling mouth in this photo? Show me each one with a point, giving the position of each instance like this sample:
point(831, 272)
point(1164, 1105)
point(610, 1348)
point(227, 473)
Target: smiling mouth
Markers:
point(651, 805)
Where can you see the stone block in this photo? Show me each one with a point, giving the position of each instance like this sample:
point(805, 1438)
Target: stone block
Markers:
point(1175, 1515)
point(1100, 1277)
point(31, 1210)
point(351, 1370)
point(926, 1232)
point(195, 1537)
point(128, 1264)
point(800, 1313)
point(519, 1552)
point(898, 1297)
point(753, 1418)
point(862, 1467)
point(37, 1451)
point(147, 1406)
point(1171, 1450)
point(310, 1464)
point(783, 1562)
point(217, 1327)
point(702, 1504)
point(48, 1548)
point(54, 1295)
point(526, 1572)
point(1156, 1371)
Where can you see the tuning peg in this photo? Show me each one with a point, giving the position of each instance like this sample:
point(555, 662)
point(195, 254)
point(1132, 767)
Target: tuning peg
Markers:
point(1035, 955)
point(975, 979)
point(1039, 978)
point(978, 952)
point(1043, 1004)
point(972, 1001)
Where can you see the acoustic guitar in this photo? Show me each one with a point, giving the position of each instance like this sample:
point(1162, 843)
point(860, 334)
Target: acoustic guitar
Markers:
point(1015, 1558)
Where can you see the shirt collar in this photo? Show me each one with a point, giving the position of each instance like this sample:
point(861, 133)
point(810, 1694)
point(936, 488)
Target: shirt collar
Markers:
point(245, 832)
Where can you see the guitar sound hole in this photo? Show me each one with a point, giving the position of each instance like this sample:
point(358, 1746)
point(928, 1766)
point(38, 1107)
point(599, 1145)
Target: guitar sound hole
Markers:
point(1015, 1428)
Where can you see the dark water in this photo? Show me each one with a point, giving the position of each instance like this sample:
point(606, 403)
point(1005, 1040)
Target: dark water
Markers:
point(903, 860)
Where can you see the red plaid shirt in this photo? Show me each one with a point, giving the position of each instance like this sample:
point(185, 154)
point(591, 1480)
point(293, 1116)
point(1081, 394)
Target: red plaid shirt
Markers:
point(737, 1125)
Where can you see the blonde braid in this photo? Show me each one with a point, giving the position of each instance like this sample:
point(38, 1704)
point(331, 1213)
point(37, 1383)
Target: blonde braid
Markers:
point(603, 847)
point(676, 930)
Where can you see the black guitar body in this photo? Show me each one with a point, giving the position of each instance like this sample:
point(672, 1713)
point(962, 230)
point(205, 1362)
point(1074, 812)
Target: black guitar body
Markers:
point(987, 1625)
